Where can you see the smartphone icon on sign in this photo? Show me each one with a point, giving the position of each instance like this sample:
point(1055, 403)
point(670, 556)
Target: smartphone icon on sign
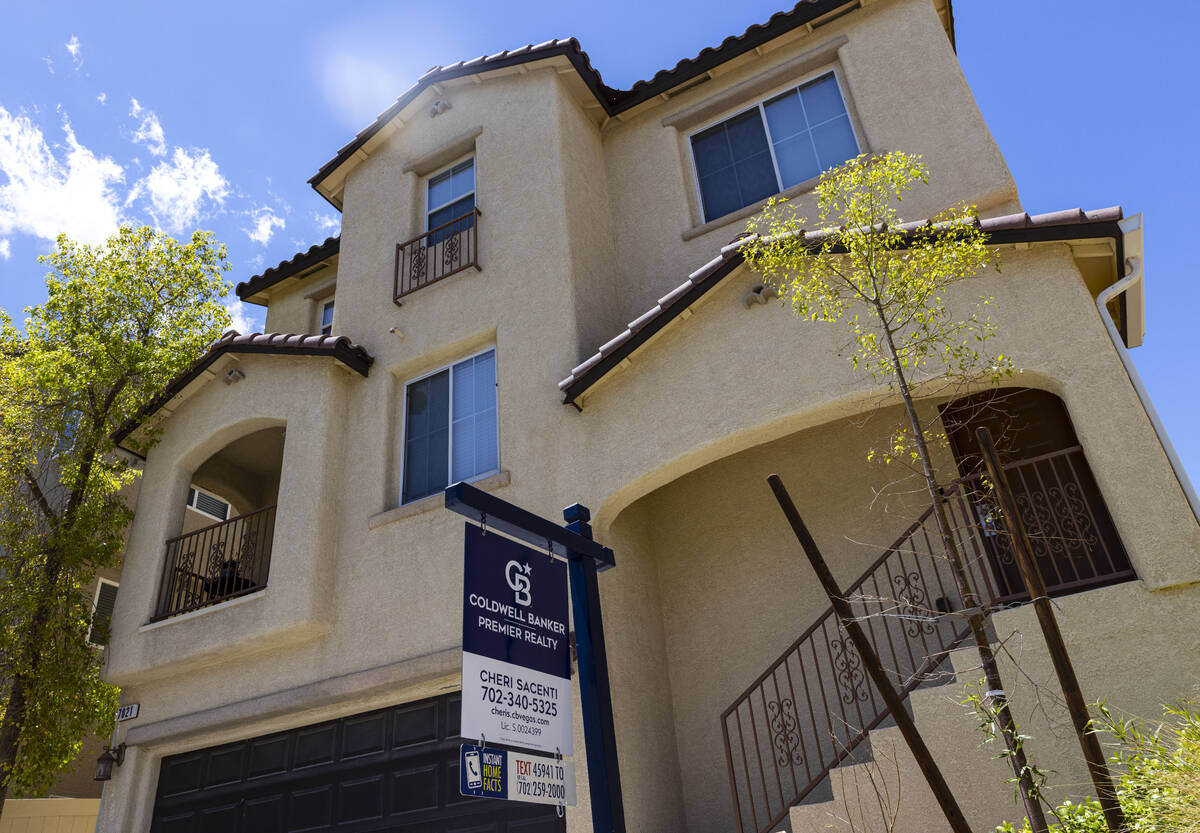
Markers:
point(474, 771)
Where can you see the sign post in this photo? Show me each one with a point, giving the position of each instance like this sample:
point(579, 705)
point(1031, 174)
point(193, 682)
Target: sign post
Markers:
point(499, 594)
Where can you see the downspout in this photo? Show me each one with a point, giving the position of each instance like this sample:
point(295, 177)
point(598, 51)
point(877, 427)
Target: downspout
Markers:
point(1133, 262)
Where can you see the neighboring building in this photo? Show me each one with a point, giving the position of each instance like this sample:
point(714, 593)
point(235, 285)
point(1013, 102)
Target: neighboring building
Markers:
point(297, 665)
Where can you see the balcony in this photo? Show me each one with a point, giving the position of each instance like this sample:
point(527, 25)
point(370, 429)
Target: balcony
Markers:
point(438, 253)
point(223, 547)
point(217, 563)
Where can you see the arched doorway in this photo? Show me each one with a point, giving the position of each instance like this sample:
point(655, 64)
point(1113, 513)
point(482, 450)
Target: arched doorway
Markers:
point(1074, 538)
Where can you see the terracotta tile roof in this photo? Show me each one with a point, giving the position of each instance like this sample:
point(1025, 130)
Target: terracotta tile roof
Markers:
point(1070, 224)
point(296, 264)
point(285, 344)
point(613, 100)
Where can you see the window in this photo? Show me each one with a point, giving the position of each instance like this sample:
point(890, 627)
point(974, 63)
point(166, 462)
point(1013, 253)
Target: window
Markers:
point(781, 142)
point(327, 317)
point(207, 503)
point(102, 610)
point(451, 194)
point(450, 428)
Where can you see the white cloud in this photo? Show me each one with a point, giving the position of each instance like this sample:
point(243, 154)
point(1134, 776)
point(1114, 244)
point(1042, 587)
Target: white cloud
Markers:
point(75, 48)
point(327, 223)
point(5, 249)
point(150, 131)
point(244, 321)
point(265, 221)
point(102, 98)
point(47, 195)
point(49, 64)
point(181, 190)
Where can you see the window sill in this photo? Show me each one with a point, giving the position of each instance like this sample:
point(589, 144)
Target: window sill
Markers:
point(418, 507)
point(750, 210)
point(194, 614)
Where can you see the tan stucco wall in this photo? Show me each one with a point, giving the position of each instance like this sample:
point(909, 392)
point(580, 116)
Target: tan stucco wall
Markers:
point(733, 586)
point(580, 230)
point(295, 304)
point(1135, 663)
point(902, 80)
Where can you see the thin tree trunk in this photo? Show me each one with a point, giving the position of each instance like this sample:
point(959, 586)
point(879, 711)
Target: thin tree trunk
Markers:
point(14, 713)
point(987, 657)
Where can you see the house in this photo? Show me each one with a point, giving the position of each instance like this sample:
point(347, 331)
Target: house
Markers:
point(534, 290)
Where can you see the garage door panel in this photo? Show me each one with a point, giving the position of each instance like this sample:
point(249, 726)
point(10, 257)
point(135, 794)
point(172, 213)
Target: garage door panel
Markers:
point(414, 789)
point(263, 814)
point(549, 824)
point(364, 736)
point(390, 771)
point(219, 819)
point(315, 746)
point(268, 756)
point(182, 823)
point(361, 799)
point(181, 774)
point(225, 767)
point(414, 726)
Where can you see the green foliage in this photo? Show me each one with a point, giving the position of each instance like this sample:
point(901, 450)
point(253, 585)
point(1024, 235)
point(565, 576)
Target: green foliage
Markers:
point(985, 713)
point(119, 322)
point(1159, 785)
point(888, 286)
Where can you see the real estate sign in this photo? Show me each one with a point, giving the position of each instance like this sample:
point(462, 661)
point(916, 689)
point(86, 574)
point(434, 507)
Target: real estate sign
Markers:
point(515, 776)
point(516, 659)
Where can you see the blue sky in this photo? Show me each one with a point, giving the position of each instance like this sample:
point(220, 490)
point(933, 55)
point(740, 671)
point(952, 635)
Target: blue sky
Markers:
point(215, 117)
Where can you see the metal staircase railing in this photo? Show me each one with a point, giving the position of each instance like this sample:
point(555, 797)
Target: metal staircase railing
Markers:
point(813, 705)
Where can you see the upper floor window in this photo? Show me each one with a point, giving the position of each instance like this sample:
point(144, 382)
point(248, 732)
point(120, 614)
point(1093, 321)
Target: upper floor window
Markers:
point(102, 610)
point(781, 142)
point(327, 317)
point(450, 427)
point(207, 503)
point(451, 194)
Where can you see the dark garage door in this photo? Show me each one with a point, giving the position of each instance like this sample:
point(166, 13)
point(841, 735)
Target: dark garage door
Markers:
point(391, 770)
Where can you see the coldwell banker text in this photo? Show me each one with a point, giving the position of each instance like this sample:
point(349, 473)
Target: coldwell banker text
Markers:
point(519, 622)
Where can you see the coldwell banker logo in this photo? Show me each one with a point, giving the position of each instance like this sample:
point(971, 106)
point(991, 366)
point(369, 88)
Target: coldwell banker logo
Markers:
point(517, 576)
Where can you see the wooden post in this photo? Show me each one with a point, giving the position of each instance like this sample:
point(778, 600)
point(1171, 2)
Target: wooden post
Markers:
point(1036, 587)
point(916, 744)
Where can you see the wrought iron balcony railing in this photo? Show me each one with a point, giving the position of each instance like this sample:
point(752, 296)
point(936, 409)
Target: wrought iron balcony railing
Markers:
point(436, 254)
point(217, 563)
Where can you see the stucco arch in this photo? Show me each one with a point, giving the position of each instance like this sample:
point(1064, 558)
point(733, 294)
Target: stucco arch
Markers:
point(858, 402)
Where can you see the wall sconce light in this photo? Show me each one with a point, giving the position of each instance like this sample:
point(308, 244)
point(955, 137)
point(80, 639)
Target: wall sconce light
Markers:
point(235, 374)
point(104, 764)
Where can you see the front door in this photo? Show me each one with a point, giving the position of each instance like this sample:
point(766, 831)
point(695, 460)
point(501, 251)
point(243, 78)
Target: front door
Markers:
point(1074, 539)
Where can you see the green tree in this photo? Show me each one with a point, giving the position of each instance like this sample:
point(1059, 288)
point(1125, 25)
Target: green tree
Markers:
point(889, 283)
point(120, 320)
point(1159, 781)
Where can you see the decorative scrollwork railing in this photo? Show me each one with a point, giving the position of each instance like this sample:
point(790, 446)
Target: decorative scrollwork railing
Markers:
point(436, 254)
point(814, 704)
point(216, 563)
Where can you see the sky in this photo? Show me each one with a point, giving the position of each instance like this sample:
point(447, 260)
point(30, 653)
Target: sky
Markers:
point(214, 117)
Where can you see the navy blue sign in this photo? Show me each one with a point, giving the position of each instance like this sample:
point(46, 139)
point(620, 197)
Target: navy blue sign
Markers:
point(515, 604)
point(482, 772)
point(516, 657)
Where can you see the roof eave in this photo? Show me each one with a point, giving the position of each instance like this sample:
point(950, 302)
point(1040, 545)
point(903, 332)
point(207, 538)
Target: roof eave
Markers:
point(611, 100)
point(351, 355)
point(1076, 225)
point(249, 291)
